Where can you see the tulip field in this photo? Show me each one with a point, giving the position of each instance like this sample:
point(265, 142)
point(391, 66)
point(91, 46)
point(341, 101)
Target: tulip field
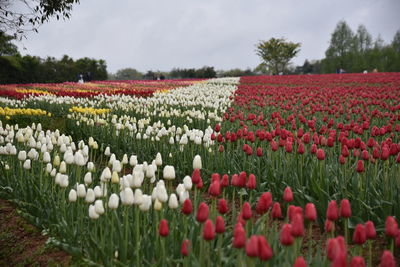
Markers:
point(254, 171)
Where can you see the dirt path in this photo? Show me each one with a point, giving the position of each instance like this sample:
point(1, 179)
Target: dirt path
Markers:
point(22, 244)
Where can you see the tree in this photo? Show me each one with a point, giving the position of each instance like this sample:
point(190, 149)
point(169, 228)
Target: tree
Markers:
point(7, 48)
point(396, 42)
point(277, 53)
point(128, 74)
point(362, 39)
point(20, 16)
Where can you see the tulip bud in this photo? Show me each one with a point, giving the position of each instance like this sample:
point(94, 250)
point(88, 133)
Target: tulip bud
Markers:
point(107, 152)
point(105, 175)
point(328, 226)
point(239, 236)
point(98, 206)
point(46, 157)
point(332, 212)
point(215, 189)
point(286, 237)
point(197, 162)
point(297, 224)
point(64, 181)
point(72, 196)
point(320, 154)
point(264, 249)
point(92, 213)
point(246, 211)
point(185, 248)
point(196, 176)
point(163, 229)
point(208, 230)
point(157, 205)
point(127, 197)
point(88, 178)
point(146, 203)
point(113, 202)
point(276, 211)
point(22, 155)
point(27, 164)
point(391, 227)
point(81, 191)
point(252, 246)
point(251, 183)
point(56, 160)
point(138, 197)
point(187, 182)
point(202, 212)
point(173, 201)
point(222, 206)
point(97, 191)
point(357, 261)
point(90, 196)
point(360, 166)
point(345, 209)
point(63, 167)
point(288, 194)
point(90, 167)
point(169, 172)
point(187, 207)
point(300, 262)
point(310, 212)
point(370, 230)
point(220, 225)
point(158, 160)
point(387, 259)
point(359, 236)
point(133, 161)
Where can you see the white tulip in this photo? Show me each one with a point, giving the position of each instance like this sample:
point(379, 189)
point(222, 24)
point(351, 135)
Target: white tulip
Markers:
point(158, 160)
point(46, 157)
point(113, 202)
point(197, 162)
point(64, 181)
point(127, 197)
point(49, 167)
point(81, 191)
point(79, 159)
point(138, 197)
point(88, 178)
point(146, 203)
point(97, 191)
point(162, 194)
point(72, 195)
point(27, 164)
point(173, 202)
point(107, 152)
point(157, 205)
point(106, 175)
point(22, 155)
point(90, 166)
point(133, 161)
point(56, 160)
point(63, 167)
point(92, 213)
point(116, 166)
point(169, 172)
point(98, 206)
point(90, 196)
point(187, 182)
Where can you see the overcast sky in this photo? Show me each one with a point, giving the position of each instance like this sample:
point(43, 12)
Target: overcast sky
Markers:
point(160, 35)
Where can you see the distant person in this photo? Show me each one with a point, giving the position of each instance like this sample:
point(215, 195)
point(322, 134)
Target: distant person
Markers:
point(365, 71)
point(375, 70)
point(80, 78)
point(88, 77)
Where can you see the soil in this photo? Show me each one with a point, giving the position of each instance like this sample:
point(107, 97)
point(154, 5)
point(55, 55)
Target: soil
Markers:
point(22, 244)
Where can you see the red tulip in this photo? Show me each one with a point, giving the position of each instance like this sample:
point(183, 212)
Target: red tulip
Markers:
point(288, 194)
point(359, 236)
point(276, 211)
point(239, 236)
point(246, 211)
point(297, 229)
point(391, 226)
point(242, 179)
point(219, 225)
point(202, 212)
point(163, 229)
point(185, 247)
point(357, 261)
point(320, 154)
point(286, 237)
point(208, 230)
point(251, 183)
point(252, 246)
point(187, 207)
point(345, 209)
point(196, 176)
point(264, 203)
point(264, 250)
point(222, 206)
point(387, 259)
point(217, 128)
point(328, 226)
point(332, 212)
point(342, 160)
point(214, 189)
point(300, 262)
point(225, 180)
point(235, 180)
point(300, 149)
point(259, 152)
point(200, 184)
point(310, 212)
point(360, 166)
point(370, 230)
